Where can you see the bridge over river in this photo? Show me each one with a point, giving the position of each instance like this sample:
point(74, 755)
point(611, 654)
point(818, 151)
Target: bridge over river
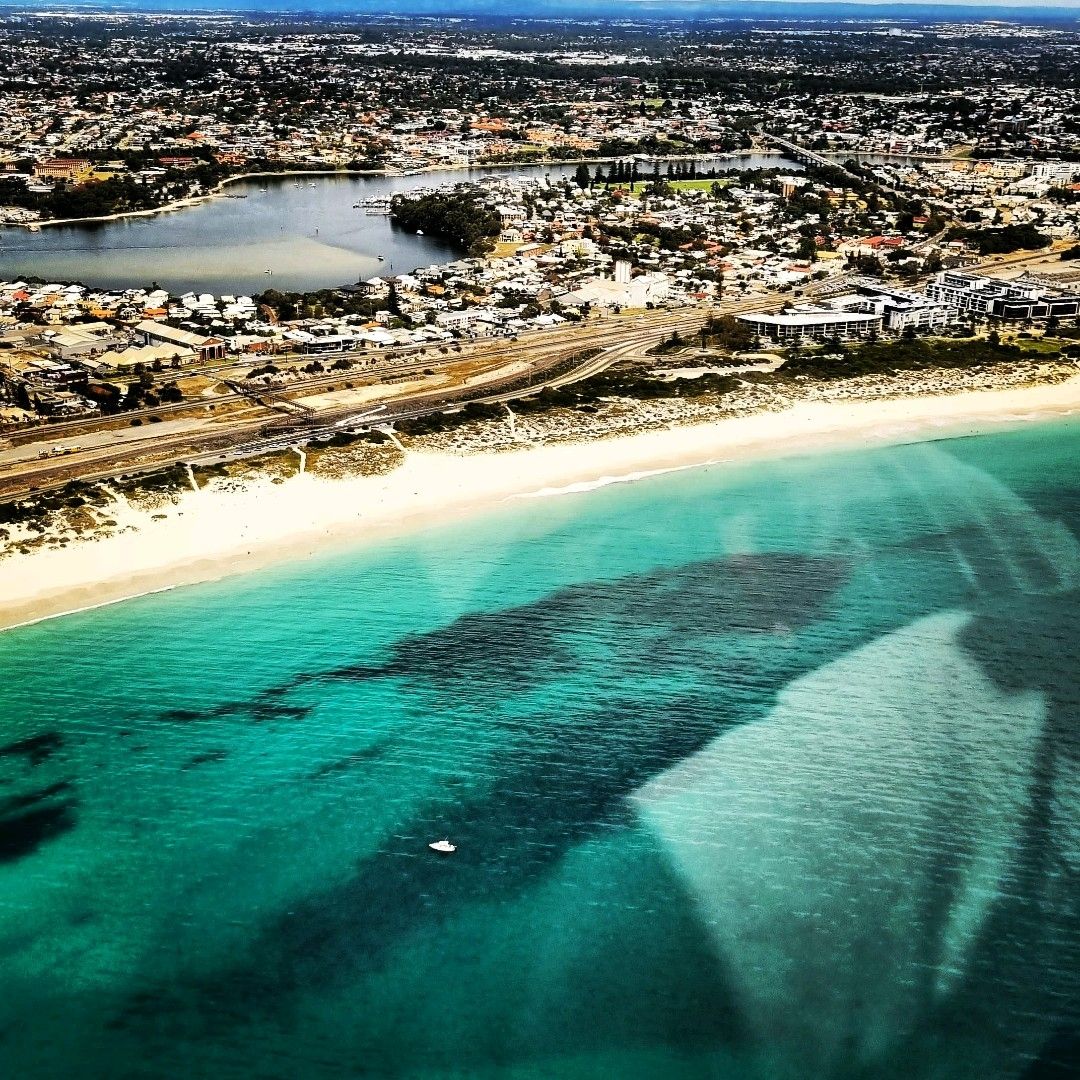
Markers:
point(800, 153)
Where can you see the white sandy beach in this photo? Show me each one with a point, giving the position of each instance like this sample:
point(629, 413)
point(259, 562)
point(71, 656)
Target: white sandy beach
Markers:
point(212, 533)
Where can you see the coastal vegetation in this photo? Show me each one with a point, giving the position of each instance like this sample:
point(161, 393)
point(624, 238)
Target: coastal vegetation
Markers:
point(630, 381)
point(83, 508)
point(1001, 241)
point(723, 332)
point(434, 423)
point(342, 439)
point(32, 511)
point(894, 357)
point(458, 216)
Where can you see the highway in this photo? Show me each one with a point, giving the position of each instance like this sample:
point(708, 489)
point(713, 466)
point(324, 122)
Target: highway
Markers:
point(153, 448)
point(277, 423)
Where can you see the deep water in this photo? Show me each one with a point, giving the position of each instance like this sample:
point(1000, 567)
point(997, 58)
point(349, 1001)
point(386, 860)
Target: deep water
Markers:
point(756, 772)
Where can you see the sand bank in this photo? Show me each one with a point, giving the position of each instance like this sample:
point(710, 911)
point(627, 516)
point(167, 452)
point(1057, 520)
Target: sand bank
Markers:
point(211, 533)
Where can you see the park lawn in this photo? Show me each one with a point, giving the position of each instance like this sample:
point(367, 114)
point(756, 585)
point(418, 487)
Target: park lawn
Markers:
point(700, 185)
point(504, 249)
point(1046, 344)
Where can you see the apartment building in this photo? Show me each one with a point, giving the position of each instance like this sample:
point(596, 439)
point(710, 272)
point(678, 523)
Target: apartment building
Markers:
point(73, 169)
point(813, 325)
point(1011, 300)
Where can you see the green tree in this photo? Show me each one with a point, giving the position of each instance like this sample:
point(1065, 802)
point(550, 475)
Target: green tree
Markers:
point(393, 304)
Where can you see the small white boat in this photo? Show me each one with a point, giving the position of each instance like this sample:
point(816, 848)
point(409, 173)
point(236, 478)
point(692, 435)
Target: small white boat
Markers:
point(382, 258)
point(444, 847)
point(419, 232)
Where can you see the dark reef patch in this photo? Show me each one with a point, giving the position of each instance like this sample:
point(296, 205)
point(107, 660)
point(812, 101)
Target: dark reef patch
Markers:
point(35, 749)
point(514, 650)
point(566, 776)
point(14, 803)
point(205, 758)
point(522, 647)
point(257, 709)
point(22, 834)
point(332, 768)
point(29, 818)
point(508, 838)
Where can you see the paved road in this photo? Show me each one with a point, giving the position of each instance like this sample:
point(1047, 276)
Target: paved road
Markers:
point(108, 458)
point(111, 453)
point(106, 437)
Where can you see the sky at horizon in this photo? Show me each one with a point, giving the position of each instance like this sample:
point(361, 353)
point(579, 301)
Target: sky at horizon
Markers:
point(540, 9)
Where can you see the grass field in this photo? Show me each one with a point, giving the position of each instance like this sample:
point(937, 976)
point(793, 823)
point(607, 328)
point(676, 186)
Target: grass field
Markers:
point(676, 185)
point(691, 185)
point(1048, 345)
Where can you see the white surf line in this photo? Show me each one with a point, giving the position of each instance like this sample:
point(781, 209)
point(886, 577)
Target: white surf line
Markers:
point(33, 621)
point(606, 480)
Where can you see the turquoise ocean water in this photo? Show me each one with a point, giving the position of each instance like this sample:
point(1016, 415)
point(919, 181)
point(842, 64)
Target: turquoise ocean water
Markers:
point(761, 771)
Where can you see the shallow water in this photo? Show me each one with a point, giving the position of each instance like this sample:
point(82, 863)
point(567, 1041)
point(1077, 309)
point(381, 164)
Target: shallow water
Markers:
point(759, 771)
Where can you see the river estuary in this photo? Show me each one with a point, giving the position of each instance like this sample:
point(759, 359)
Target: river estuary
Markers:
point(305, 230)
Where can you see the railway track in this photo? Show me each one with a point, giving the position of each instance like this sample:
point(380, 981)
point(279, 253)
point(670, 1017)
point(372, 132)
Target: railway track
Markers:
point(548, 366)
point(547, 357)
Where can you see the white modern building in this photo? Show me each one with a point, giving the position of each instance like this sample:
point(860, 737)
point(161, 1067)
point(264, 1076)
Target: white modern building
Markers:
point(1011, 300)
point(900, 309)
point(873, 309)
point(805, 325)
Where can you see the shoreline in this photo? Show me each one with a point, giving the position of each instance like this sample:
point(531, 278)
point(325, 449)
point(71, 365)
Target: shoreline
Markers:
point(191, 200)
point(216, 190)
point(214, 533)
point(195, 200)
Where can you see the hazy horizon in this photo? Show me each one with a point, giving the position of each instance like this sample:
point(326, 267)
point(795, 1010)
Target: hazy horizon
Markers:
point(613, 10)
